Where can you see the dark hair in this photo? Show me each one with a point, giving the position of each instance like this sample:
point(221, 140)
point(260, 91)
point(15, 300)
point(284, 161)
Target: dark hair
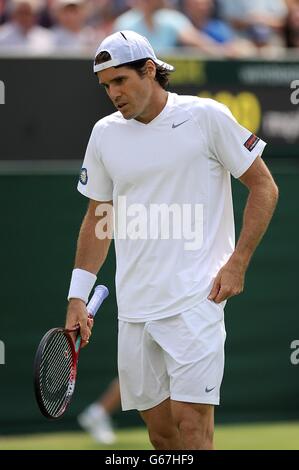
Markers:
point(162, 75)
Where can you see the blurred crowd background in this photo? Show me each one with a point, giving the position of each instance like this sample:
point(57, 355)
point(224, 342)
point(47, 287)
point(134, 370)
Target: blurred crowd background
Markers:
point(226, 28)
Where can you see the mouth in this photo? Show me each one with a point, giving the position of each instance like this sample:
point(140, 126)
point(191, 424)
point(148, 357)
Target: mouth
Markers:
point(121, 106)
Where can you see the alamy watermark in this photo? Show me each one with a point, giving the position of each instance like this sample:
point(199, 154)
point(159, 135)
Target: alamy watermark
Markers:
point(2, 92)
point(294, 85)
point(151, 222)
point(2, 353)
point(294, 357)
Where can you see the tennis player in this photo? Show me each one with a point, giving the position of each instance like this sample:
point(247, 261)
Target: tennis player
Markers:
point(173, 152)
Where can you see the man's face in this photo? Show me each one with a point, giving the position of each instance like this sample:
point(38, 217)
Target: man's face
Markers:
point(149, 6)
point(129, 92)
point(24, 16)
point(71, 17)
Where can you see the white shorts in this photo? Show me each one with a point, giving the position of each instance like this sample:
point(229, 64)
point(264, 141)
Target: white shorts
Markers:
point(181, 357)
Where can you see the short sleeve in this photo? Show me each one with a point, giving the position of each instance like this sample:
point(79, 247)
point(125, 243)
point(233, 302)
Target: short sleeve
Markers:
point(94, 181)
point(234, 146)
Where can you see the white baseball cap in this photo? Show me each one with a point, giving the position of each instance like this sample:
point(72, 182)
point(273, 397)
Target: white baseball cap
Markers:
point(125, 47)
point(64, 3)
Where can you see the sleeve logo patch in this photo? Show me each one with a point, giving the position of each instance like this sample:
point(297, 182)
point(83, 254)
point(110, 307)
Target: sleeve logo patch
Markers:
point(83, 176)
point(251, 142)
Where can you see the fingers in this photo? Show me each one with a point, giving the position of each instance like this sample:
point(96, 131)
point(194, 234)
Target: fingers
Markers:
point(77, 317)
point(225, 292)
point(85, 331)
point(228, 283)
point(222, 295)
point(85, 336)
point(215, 289)
point(219, 292)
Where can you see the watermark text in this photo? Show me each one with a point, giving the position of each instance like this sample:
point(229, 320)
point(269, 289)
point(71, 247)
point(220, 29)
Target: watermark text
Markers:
point(2, 353)
point(294, 357)
point(2, 92)
point(294, 94)
point(152, 222)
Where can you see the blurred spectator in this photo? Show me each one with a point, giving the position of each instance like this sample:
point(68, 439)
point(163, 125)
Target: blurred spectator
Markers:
point(46, 17)
point(261, 21)
point(165, 27)
point(292, 24)
point(99, 8)
point(200, 12)
point(22, 31)
point(2, 11)
point(70, 32)
point(102, 14)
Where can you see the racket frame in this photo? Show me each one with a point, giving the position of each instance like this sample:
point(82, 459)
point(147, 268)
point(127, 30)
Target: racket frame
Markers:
point(100, 293)
point(75, 349)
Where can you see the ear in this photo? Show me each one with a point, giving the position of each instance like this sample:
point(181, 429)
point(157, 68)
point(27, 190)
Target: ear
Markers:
point(151, 69)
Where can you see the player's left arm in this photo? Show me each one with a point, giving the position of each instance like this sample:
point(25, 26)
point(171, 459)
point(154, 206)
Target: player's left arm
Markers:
point(260, 205)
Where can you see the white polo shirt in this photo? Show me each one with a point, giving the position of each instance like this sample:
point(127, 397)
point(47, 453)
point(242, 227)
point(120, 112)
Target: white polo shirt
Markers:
point(182, 159)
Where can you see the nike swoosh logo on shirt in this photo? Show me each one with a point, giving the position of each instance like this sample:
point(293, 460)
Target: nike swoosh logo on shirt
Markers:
point(209, 389)
point(177, 125)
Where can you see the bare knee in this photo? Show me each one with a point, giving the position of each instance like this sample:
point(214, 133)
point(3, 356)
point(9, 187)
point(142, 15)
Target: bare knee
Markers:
point(164, 440)
point(158, 441)
point(195, 424)
point(163, 431)
point(196, 434)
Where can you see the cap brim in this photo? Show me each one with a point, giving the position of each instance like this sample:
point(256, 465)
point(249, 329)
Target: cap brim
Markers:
point(116, 62)
point(105, 65)
point(165, 65)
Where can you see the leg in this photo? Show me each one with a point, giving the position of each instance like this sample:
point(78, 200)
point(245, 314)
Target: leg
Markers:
point(96, 418)
point(163, 432)
point(195, 423)
point(110, 400)
point(193, 345)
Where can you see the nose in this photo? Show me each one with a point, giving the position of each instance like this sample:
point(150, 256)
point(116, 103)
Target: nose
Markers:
point(114, 93)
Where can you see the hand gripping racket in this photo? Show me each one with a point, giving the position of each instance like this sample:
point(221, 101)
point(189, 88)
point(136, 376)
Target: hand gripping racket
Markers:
point(56, 361)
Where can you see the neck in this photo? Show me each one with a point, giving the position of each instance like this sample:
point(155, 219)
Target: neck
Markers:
point(149, 21)
point(24, 29)
point(154, 108)
point(199, 21)
point(74, 29)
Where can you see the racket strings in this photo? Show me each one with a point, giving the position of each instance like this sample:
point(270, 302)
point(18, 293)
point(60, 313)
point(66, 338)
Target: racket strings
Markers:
point(55, 379)
point(58, 343)
point(56, 367)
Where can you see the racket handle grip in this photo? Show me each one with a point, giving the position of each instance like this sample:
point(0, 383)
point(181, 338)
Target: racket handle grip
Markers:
point(100, 294)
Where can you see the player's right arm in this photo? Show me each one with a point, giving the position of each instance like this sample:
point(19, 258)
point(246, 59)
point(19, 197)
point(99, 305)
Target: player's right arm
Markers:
point(91, 253)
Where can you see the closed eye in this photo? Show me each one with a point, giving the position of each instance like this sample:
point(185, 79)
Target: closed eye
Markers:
point(116, 81)
point(119, 80)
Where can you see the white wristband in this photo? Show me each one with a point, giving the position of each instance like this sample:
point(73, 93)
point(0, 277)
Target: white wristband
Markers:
point(81, 284)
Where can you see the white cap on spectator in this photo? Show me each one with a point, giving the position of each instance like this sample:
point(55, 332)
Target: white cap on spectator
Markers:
point(125, 47)
point(69, 2)
point(60, 4)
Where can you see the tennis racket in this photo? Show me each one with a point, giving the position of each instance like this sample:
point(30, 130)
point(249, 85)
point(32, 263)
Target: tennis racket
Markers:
point(56, 361)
